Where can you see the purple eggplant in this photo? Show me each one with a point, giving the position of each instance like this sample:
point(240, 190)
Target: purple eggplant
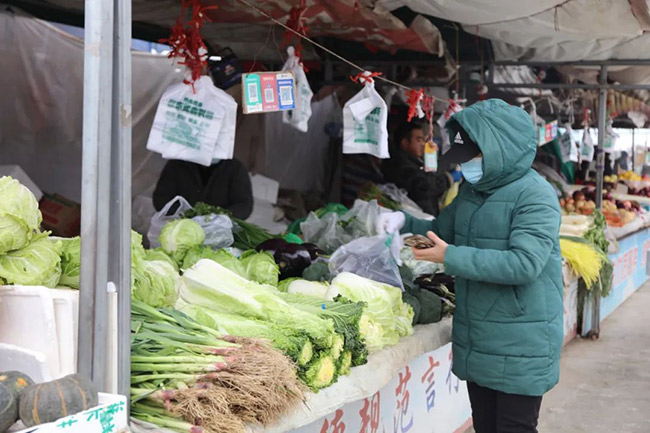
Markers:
point(314, 251)
point(292, 259)
point(271, 245)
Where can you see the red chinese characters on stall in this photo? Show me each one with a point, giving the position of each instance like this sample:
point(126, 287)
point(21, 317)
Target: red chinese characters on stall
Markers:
point(336, 425)
point(403, 419)
point(370, 414)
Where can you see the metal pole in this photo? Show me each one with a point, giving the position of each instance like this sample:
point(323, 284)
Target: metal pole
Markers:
point(633, 152)
point(120, 198)
point(600, 166)
point(95, 182)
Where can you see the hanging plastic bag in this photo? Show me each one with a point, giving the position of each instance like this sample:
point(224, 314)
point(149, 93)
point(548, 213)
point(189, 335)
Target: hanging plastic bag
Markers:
point(299, 117)
point(453, 108)
point(188, 122)
point(325, 232)
point(225, 146)
point(365, 119)
point(587, 149)
point(370, 257)
point(176, 206)
point(217, 229)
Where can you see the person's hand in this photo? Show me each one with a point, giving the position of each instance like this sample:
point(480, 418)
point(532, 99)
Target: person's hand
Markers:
point(389, 222)
point(435, 254)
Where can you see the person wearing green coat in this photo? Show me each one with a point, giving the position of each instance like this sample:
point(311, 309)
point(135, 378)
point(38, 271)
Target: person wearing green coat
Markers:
point(500, 239)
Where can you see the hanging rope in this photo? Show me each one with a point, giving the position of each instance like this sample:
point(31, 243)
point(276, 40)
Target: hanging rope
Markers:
point(327, 50)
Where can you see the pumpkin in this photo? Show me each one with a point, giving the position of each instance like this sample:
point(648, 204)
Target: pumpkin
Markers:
point(49, 401)
point(12, 384)
point(8, 407)
point(15, 381)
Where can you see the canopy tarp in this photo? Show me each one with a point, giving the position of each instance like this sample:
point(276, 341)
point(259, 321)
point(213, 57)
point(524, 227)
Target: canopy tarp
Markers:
point(251, 35)
point(548, 30)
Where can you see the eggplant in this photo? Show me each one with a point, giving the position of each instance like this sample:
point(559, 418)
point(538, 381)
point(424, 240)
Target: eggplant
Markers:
point(292, 259)
point(431, 282)
point(271, 245)
point(314, 251)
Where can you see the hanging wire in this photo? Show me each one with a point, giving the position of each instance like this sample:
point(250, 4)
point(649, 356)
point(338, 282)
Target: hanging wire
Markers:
point(327, 50)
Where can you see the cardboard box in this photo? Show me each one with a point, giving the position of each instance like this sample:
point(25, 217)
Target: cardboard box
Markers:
point(19, 174)
point(61, 216)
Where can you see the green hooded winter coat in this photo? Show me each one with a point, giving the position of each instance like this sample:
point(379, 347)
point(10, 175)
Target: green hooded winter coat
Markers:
point(503, 235)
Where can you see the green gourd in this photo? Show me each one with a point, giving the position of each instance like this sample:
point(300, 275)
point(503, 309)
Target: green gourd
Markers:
point(49, 401)
point(12, 384)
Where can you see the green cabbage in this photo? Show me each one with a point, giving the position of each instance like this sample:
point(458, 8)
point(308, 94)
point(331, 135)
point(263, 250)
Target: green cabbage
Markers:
point(155, 283)
point(178, 236)
point(20, 218)
point(160, 256)
point(260, 267)
point(37, 264)
point(223, 257)
point(70, 262)
point(388, 317)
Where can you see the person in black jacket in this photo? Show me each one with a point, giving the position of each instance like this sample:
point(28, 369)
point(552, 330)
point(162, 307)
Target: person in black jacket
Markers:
point(405, 168)
point(224, 183)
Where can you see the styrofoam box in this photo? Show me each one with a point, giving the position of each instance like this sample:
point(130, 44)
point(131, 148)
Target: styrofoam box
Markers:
point(19, 174)
point(42, 320)
point(89, 421)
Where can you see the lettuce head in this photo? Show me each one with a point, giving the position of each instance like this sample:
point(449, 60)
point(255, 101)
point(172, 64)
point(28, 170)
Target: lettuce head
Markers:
point(260, 267)
point(178, 236)
point(70, 262)
point(223, 257)
point(155, 283)
point(37, 264)
point(20, 218)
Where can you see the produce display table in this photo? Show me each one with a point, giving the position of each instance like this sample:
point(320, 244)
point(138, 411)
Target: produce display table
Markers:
point(381, 386)
point(407, 387)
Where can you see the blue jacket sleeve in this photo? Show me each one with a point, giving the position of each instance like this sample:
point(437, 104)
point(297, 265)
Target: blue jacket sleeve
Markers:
point(534, 232)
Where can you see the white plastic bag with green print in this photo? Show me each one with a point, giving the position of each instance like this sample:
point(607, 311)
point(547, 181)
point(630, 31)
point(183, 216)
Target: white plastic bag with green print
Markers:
point(365, 118)
point(587, 148)
point(299, 117)
point(188, 122)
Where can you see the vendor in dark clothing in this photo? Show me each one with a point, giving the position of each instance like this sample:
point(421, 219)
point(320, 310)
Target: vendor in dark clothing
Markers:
point(224, 183)
point(405, 168)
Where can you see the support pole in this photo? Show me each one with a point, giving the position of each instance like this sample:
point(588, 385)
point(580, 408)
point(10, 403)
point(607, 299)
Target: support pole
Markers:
point(95, 188)
point(602, 126)
point(633, 151)
point(600, 167)
point(120, 198)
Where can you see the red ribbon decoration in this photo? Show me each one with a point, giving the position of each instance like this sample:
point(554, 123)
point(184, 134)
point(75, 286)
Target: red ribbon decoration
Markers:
point(413, 98)
point(428, 106)
point(185, 39)
point(297, 24)
point(365, 77)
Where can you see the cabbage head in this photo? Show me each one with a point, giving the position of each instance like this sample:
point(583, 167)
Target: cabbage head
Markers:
point(70, 262)
point(20, 218)
point(159, 255)
point(178, 236)
point(155, 283)
point(37, 264)
point(223, 257)
point(260, 267)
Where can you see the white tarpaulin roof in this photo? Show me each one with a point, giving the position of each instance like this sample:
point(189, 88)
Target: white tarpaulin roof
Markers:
point(548, 30)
